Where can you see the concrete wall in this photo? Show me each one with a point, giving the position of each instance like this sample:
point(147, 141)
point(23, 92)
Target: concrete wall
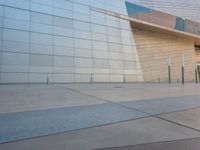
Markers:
point(154, 49)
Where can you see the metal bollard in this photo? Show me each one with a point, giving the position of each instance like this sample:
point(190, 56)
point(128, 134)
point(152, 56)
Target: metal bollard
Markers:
point(183, 78)
point(169, 74)
point(169, 69)
point(182, 69)
point(91, 79)
point(47, 78)
point(196, 80)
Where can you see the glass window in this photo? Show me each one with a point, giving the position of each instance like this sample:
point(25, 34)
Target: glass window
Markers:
point(41, 18)
point(83, 62)
point(41, 38)
point(44, 2)
point(99, 37)
point(80, 43)
point(82, 34)
point(15, 59)
point(81, 8)
point(81, 16)
point(81, 25)
point(16, 24)
point(24, 4)
point(15, 46)
point(101, 63)
point(41, 8)
point(63, 31)
point(63, 50)
point(41, 60)
point(13, 35)
point(82, 53)
point(61, 61)
point(17, 14)
point(62, 12)
point(63, 41)
point(99, 45)
point(63, 4)
point(98, 28)
point(63, 22)
point(35, 27)
point(41, 49)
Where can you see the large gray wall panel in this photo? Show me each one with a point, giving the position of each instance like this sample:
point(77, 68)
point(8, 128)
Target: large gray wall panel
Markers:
point(65, 41)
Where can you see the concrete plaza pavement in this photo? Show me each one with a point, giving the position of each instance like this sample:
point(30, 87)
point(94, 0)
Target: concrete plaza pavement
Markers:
point(136, 116)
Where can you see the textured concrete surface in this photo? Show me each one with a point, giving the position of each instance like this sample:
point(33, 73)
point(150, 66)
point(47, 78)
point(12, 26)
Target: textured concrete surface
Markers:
point(146, 130)
point(21, 125)
point(95, 116)
point(165, 105)
point(190, 118)
point(132, 92)
point(17, 98)
point(190, 144)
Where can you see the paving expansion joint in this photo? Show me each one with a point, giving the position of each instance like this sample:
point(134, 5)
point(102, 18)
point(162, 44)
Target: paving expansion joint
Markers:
point(130, 108)
point(135, 109)
point(160, 142)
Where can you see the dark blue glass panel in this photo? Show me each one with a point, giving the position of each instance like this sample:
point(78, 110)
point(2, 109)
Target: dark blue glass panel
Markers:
point(180, 24)
point(133, 8)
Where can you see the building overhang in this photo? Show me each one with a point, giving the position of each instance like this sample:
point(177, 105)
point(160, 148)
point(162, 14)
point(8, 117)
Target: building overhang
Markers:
point(156, 21)
point(139, 24)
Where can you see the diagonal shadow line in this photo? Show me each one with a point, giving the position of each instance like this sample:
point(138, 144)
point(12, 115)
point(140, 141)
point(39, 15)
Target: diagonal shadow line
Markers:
point(135, 109)
point(57, 133)
point(151, 143)
point(107, 101)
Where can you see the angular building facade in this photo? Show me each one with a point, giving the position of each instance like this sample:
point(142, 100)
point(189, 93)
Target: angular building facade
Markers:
point(67, 41)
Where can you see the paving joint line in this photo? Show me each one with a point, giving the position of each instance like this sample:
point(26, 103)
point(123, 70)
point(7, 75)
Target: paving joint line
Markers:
point(150, 115)
point(159, 142)
point(135, 109)
point(102, 99)
point(75, 130)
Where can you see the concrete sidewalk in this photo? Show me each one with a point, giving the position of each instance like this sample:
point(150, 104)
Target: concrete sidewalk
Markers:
point(98, 116)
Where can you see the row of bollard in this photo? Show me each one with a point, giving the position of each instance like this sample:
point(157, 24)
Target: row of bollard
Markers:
point(92, 79)
point(169, 73)
point(182, 70)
